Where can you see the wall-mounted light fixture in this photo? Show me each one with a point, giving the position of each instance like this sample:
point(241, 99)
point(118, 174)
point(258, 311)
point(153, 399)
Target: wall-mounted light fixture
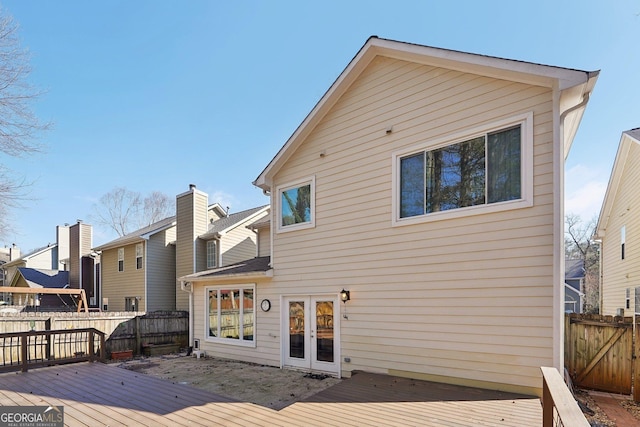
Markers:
point(345, 295)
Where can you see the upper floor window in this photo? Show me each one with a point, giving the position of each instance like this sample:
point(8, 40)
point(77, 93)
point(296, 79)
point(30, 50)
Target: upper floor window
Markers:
point(479, 171)
point(296, 205)
point(139, 251)
point(212, 254)
point(120, 259)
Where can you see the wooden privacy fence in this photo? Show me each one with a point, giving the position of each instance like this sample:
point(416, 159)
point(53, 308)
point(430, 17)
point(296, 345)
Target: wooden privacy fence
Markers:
point(123, 330)
point(600, 353)
point(158, 327)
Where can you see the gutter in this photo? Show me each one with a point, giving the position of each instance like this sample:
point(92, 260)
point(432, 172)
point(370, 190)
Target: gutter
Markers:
point(188, 287)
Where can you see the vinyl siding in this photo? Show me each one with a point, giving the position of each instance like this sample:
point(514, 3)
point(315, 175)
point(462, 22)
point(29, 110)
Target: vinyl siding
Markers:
point(264, 242)
point(80, 242)
point(618, 274)
point(161, 271)
point(118, 285)
point(267, 350)
point(467, 298)
point(191, 221)
point(237, 245)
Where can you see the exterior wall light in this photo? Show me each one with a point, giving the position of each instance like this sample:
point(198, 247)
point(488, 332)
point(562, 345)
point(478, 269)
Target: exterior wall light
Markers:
point(345, 295)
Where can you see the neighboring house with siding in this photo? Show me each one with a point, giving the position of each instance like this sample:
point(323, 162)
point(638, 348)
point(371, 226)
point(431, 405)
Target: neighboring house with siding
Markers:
point(574, 285)
point(137, 270)
point(71, 253)
point(454, 270)
point(205, 241)
point(617, 229)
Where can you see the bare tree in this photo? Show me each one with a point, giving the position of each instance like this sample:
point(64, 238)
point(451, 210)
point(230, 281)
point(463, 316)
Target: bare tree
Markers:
point(157, 206)
point(19, 127)
point(580, 244)
point(124, 211)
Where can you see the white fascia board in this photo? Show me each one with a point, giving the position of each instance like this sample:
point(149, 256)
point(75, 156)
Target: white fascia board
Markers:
point(148, 234)
point(508, 69)
point(244, 221)
point(614, 181)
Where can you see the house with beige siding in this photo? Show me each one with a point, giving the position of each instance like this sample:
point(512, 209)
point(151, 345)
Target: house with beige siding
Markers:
point(137, 270)
point(416, 226)
point(617, 229)
point(71, 252)
point(206, 241)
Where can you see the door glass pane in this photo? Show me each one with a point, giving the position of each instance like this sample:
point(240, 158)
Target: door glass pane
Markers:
point(296, 329)
point(324, 326)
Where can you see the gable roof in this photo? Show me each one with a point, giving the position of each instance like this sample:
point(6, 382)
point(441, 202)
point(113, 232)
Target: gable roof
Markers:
point(224, 225)
point(29, 255)
point(254, 267)
point(628, 137)
point(574, 84)
point(139, 235)
point(573, 269)
point(41, 278)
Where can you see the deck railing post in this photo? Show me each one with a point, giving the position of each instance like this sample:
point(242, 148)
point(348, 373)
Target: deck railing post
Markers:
point(91, 347)
point(547, 405)
point(24, 341)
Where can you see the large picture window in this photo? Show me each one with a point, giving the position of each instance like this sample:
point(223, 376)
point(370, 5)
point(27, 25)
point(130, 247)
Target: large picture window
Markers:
point(231, 316)
point(478, 171)
point(296, 205)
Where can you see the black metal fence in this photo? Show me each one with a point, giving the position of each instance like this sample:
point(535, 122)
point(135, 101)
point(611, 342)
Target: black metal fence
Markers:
point(26, 350)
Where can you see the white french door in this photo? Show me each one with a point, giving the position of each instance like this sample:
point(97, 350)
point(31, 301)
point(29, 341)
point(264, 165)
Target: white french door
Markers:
point(311, 334)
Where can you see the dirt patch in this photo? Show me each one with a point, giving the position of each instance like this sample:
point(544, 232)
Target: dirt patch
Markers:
point(596, 416)
point(249, 382)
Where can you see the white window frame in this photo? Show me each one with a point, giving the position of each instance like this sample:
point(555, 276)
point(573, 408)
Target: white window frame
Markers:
point(120, 259)
point(311, 181)
point(139, 256)
point(215, 245)
point(525, 121)
point(231, 341)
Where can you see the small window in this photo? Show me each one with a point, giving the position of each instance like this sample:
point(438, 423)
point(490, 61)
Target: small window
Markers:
point(131, 304)
point(212, 254)
point(296, 205)
point(623, 238)
point(139, 252)
point(120, 259)
point(627, 304)
point(231, 316)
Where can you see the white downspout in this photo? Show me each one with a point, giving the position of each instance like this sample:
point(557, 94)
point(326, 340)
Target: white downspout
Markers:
point(188, 287)
point(558, 253)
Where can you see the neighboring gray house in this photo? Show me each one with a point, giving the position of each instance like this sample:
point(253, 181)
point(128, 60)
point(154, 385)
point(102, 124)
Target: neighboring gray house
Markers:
point(573, 285)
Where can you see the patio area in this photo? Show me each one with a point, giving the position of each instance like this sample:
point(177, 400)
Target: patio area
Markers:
point(99, 394)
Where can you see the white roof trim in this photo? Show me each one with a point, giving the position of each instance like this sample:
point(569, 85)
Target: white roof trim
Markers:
point(520, 71)
point(614, 181)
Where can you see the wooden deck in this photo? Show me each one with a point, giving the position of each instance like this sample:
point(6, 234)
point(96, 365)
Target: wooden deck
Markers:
point(98, 394)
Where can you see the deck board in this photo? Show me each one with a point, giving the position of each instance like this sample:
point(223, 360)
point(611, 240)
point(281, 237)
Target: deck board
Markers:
point(98, 394)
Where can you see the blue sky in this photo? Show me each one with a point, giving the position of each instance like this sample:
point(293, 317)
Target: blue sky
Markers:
point(156, 95)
